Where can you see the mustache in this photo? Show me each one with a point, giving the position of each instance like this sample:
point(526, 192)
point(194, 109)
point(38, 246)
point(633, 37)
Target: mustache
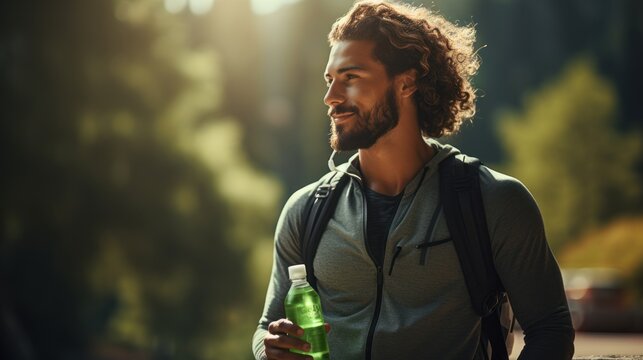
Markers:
point(342, 109)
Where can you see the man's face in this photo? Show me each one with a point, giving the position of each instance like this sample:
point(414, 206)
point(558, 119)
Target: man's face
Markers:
point(360, 97)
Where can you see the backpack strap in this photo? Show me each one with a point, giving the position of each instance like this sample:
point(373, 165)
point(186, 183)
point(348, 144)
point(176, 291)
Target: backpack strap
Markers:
point(461, 199)
point(320, 208)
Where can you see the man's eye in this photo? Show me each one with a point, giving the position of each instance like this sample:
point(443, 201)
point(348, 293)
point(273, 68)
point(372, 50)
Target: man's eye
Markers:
point(351, 76)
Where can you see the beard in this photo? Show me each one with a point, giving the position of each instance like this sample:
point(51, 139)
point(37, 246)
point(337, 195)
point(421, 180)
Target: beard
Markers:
point(366, 127)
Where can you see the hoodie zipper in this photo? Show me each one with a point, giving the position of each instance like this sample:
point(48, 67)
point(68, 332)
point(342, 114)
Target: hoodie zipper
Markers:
point(380, 270)
point(380, 281)
point(376, 315)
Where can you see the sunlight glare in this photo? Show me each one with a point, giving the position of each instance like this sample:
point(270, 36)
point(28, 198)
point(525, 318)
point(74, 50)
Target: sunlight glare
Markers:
point(175, 6)
point(262, 7)
point(200, 7)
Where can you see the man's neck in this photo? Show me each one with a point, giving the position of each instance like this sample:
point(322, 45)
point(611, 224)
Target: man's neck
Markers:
point(390, 164)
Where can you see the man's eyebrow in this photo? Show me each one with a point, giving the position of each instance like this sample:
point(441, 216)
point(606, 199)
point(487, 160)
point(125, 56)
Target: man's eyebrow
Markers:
point(345, 69)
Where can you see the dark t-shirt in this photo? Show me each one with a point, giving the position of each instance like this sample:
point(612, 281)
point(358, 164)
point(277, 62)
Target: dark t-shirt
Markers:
point(380, 211)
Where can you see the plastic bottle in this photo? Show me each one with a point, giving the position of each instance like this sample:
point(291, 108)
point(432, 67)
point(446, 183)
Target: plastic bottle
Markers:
point(304, 309)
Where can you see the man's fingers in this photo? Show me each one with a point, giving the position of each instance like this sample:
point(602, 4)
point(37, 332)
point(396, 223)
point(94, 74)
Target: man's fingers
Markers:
point(282, 341)
point(285, 326)
point(281, 354)
point(327, 327)
point(281, 338)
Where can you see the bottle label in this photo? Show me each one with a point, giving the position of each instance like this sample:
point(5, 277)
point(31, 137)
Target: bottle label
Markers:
point(310, 314)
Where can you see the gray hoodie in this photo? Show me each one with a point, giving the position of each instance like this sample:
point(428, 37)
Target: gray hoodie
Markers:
point(416, 306)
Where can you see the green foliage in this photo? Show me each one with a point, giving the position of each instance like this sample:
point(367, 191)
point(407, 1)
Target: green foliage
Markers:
point(563, 146)
point(130, 214)
point(618, 245)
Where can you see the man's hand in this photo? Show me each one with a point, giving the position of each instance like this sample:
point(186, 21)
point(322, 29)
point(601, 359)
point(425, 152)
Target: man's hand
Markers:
point(281, 338)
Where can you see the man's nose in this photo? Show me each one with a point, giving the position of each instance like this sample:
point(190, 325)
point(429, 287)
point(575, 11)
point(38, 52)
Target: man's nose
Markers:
point(334, 95)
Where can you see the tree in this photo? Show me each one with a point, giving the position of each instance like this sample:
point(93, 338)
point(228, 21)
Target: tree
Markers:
point(617, 245)
point(119, 225)
point(563, 145)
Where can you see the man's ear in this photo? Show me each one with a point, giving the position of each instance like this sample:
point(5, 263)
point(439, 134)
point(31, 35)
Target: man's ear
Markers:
point(406, 83)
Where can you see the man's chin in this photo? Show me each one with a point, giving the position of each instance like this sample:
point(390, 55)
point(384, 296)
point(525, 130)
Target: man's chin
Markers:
point(339, 146)
point(350, 144)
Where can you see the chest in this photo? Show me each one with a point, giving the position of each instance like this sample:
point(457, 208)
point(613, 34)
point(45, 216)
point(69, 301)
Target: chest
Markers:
point(419, 265)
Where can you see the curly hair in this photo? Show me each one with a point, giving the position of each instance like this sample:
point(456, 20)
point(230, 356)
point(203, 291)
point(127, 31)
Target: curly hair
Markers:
point(442, 53)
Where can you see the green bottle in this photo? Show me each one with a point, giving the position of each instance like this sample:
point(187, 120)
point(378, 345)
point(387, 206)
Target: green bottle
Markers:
point(304, 309)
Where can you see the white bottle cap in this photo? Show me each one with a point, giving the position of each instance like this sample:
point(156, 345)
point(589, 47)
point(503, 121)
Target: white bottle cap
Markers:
point(297, 272)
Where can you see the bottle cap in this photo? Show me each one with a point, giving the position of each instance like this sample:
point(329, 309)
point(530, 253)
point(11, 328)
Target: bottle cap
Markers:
point(297, 272)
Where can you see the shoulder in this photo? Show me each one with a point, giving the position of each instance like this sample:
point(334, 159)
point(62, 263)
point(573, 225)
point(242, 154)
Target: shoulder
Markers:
point(299, 198)
point(502, 186)
point(297, 201)
point(506, 197)
point(295, 207)
point(496, 188)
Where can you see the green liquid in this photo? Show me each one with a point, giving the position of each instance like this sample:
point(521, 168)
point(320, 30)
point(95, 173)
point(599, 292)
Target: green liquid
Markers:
point(304, 309)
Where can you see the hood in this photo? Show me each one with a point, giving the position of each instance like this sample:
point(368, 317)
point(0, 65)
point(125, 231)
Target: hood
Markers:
point(351, 167)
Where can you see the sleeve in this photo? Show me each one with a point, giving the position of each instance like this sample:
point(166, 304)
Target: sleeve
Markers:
point(527, 268)
point(286, 253)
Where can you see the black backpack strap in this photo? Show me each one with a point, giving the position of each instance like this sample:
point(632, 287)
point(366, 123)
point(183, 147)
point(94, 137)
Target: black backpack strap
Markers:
point(320, 208)
point(461, 199)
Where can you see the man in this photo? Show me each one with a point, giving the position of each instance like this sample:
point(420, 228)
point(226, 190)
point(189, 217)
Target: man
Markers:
point(399, 76)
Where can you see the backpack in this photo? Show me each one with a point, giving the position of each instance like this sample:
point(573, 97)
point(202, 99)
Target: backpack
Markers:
point(464, 211)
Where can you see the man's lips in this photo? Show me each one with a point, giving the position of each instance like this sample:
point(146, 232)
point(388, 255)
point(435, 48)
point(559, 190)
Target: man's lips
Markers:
point(339, 117)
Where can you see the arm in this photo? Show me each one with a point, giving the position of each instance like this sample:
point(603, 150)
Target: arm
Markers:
point(528, 269)
point(270, 336)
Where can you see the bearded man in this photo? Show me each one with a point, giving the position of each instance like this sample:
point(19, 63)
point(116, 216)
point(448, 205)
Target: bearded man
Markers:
point(387, 272)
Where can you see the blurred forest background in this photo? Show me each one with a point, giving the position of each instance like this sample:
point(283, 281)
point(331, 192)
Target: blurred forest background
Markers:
point(147, 147)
